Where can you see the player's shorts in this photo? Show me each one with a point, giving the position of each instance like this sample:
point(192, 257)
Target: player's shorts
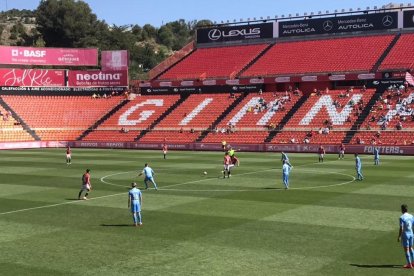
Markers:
point(86, 187)
point(68, 156)
point(228, 167)
point(165, 152)
point(407, 241)
point(149, 179)
point(321, 155)
point(135, 206)
point(342, 152)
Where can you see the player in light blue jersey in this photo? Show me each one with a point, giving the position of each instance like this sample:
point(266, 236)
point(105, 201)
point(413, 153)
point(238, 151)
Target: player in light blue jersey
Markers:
point(149, 176)
point(405, 235)
point(376, 156)
point(285, 173)
point(358, 167)
point(135, 203)
point(285, 158)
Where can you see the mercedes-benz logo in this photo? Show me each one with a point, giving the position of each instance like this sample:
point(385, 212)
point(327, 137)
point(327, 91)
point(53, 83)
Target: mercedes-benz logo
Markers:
point(387, 20)
point(214, 34)
point(328, 25)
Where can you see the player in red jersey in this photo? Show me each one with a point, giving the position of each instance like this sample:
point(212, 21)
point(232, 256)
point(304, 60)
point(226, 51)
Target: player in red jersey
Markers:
point(321, 153)
point(68, 156)
point(165, 150)
point(227, 165)
point(341, 151)
point(86, 185)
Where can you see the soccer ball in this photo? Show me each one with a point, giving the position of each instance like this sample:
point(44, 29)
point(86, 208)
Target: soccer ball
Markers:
point(205, 173)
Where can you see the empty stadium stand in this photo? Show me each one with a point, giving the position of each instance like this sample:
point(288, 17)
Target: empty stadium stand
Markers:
point(354, 54)
point(60, 117)
point(401, 57)
point(213, 62)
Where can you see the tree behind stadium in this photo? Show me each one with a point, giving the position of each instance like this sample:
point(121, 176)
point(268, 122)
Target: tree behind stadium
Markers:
point(68, 23)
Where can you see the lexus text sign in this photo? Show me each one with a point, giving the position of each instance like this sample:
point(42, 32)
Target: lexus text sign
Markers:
point(339, 24)
point(234, 33)
point(114, 60)
point(409, 19)
point(98, 78)
point(48, 56)
point(32, 77)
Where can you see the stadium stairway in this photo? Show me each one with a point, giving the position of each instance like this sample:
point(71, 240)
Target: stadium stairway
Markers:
point(221, 117)
point(22, 122)
point(286, 119)
point(103, 119)
point(173, 65)
point(385, 54)
point(159, 119)
point(254, 60)
point(365, 113)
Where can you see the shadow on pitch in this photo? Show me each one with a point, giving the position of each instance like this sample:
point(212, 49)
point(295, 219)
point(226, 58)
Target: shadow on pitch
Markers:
point(377, 266)
point(116, 225)
point(72, 199)
point(273, 188)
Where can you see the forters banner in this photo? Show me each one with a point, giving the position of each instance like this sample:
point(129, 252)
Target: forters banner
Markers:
point(339, 24)
point(48, 56)
point(98, 78)
point(235, 33)
point(32, 77)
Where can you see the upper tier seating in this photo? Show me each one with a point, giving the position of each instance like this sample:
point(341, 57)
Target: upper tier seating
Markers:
point(401, 55)
point(60, 117)
point(356, 54)
point(214, 62)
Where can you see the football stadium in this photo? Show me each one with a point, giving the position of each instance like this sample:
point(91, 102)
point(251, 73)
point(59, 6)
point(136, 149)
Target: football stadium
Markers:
point(274, 146)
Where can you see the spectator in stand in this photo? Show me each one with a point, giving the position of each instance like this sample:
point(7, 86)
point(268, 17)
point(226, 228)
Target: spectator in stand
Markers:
point(399, 126)
point(364, 88)
point(306, 140)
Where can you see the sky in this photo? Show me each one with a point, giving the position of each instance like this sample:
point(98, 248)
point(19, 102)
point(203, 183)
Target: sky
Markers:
point(158, 12)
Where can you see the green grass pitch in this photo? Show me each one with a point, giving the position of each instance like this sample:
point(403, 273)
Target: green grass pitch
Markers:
point(196, 224)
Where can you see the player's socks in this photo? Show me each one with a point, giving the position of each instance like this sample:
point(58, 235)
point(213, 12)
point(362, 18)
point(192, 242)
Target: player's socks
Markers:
point(412, 256)
point(155, 186)
point(408, 258)
point(139, 218)
point(134, 216)
point(86, 195)
point(79, 195)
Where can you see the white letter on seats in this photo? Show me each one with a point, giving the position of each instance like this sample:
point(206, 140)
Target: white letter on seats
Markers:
point(144, 115)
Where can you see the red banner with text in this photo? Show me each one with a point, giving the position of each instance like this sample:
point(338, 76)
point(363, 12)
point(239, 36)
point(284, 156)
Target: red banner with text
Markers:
point(98, 78)
point(32, 77)
point(48, 56)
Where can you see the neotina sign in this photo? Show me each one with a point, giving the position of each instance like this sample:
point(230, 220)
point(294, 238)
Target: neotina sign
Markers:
point(234, 33)
point(339, 24)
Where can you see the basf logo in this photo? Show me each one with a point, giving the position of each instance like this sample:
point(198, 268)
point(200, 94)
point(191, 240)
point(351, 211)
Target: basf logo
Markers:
point(234, 33)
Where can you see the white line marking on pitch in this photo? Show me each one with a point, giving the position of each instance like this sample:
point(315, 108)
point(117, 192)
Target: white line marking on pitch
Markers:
point(59, 204)
point(117, 194)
